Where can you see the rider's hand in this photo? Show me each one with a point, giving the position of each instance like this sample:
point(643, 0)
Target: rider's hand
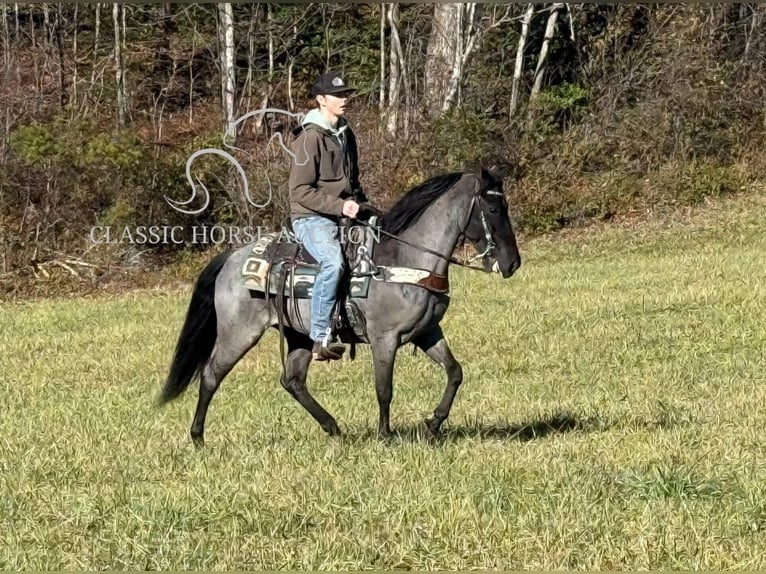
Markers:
point(360, 197)
point(350, 209)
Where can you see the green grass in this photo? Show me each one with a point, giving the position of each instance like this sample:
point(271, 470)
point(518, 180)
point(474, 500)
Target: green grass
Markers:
point(612, 416)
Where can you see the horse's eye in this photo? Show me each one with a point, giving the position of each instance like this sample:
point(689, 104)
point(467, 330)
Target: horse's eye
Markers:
point(493, 209)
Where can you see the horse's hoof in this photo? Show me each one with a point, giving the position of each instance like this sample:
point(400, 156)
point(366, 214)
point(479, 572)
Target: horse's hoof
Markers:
point(334, 430)
point(432, 429)
point(198, 441)
point(385, 435)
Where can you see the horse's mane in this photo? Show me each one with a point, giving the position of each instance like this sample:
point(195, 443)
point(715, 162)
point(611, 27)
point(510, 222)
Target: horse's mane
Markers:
point(411, 206)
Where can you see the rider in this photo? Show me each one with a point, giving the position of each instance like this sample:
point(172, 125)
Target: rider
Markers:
point(324, 186)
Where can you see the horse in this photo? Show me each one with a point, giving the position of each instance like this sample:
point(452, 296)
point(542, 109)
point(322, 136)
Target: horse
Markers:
point(421, 231)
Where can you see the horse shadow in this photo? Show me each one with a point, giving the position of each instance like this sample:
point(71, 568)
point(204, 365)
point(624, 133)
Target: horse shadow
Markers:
point(556, 424)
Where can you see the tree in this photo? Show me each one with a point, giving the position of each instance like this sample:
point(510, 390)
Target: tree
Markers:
point(455, 34)
point(443, 48)
point(519, 66)
point(550, 29)
point(228, 72)
point(118, 15)
point(397, 69)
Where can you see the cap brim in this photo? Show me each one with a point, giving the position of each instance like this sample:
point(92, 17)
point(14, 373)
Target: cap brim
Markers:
point(335, 92)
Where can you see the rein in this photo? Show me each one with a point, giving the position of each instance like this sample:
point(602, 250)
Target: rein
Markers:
point(487, 236)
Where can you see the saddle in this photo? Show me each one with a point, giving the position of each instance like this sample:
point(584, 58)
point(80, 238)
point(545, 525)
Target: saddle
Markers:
point(280, 266)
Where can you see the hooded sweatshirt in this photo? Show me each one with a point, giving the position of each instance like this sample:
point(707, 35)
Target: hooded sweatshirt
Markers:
point(324, 171)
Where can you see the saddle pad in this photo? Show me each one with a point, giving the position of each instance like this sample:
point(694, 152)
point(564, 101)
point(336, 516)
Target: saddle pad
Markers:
point(258, 272)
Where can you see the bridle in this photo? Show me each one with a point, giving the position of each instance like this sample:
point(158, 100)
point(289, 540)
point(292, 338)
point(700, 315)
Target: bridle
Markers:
point(488, 251)
point(491, 245)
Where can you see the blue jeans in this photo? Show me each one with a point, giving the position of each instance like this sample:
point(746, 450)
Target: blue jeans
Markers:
point(319, 237)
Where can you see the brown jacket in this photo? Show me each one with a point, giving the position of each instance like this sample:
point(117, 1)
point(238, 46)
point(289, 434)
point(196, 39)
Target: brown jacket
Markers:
point(322, 176)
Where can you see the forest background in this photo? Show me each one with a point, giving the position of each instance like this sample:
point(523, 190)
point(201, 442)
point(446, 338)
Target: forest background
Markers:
point(596, 112)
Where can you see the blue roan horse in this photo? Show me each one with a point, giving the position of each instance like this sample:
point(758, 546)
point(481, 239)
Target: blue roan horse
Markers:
point(226, 319)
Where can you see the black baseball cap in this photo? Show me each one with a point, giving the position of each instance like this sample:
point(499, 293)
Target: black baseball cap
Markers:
point(330, 83)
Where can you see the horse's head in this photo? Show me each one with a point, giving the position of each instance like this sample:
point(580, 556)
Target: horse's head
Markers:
point(489, 227)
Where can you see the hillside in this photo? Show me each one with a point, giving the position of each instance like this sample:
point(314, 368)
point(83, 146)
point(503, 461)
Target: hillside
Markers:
point(641, 108)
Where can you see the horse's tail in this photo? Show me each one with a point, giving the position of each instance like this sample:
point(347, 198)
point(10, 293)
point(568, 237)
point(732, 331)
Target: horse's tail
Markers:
point(198, 335)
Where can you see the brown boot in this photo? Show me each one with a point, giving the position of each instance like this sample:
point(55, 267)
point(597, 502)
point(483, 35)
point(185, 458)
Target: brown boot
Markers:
point(329, 352)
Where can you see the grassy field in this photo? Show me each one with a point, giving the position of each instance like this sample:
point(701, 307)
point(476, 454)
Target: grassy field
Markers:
point(612, 416)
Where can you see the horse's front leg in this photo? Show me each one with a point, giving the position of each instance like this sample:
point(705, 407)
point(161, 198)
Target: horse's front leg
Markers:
point(435, 346)
point(294, 381)
point(383, 358)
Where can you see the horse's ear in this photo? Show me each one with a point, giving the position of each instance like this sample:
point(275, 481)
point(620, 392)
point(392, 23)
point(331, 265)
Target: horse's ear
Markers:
point(500, 171)
point(475, 168)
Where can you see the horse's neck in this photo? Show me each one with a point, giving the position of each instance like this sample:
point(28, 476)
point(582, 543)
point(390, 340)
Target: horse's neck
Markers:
point(438, 229)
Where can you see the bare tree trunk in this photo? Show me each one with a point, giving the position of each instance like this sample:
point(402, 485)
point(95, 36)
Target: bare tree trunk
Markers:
point(265, 92)
point(6, 69)
point(118, 10)
point(519, 67)
point(96, 39)
point(191, 74)
point(47, 22)
point(56, 35)
point(411, 96)
point(570, 12)
point(32, 33)
point(468, 34)
point(97, 29)
point(382, 93)
point(35, 58)
point(124, 35)
point(228, 78)
point(395, 66)
point(247, 89)
point(755, 23)
point(74, 58)
point(270, 23)
point(443, 42)
point(550, 28)
point(290, 102)
point(6, 40)
point(326, 22)
point(270, 79)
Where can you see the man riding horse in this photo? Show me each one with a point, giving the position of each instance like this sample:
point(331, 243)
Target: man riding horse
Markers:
point(324, 186)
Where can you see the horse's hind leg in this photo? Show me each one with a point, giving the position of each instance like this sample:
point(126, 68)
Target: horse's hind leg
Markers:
point(229, 349)
point(434, 345)
point(294, 380)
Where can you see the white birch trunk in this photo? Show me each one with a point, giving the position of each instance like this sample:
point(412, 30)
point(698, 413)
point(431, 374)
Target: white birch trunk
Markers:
point(191, 75)
point(74, 58)
point(382, 92)
point(96, 38)
point(519, 66)
point(395, 66)
point(550, 28)
point(119, 60)
point(468, 32)
point(247, 89)
point(6, 39)
point(290, 102)
point(47, 23)
point(97, 28)
point(443, 42)
point(228, 78)
point(270, 23)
